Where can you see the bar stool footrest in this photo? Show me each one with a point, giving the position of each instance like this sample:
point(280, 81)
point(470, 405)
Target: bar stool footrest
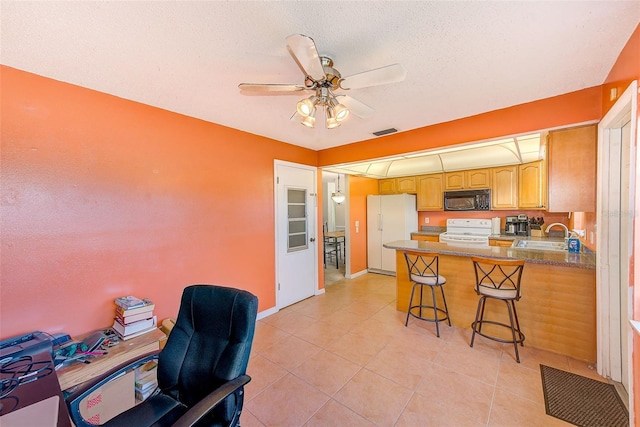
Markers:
point(477, 326)
point(429, 308)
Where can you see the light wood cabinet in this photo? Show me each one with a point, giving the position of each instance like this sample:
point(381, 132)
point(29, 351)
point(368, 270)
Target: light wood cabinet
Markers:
point(572, 157)
point(387, 186)
point(504, 187)
point(430, 189)
point(501, 243)
point(467, 180)
point(532, 185)
point(405, 184)
point(425, 238)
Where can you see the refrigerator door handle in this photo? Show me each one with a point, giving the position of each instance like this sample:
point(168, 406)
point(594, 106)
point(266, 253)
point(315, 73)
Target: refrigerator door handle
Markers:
point(380, 218)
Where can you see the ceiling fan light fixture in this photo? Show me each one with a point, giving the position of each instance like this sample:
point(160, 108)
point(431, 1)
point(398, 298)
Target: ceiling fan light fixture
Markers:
point(341, 112)
point(306, 106)
point(331, 121)
point(310, 120)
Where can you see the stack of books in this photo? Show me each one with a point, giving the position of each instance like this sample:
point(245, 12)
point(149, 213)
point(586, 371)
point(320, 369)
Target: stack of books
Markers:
point(134, 317)
point(146, 380)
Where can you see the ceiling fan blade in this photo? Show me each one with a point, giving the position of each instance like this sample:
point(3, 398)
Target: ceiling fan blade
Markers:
point(303, 50)
point(269, 89)
point(356, 107)
point(393, 73)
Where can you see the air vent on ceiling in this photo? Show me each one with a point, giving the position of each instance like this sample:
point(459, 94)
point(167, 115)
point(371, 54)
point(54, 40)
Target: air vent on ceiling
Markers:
point(385, 132)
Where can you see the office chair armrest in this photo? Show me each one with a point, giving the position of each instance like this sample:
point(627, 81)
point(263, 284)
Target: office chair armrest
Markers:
point(210, 401)
point(83, 390)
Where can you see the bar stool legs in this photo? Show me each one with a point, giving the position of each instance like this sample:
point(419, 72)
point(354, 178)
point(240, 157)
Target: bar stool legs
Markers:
point(423, 272)
point(517, 337)
point(499, 280)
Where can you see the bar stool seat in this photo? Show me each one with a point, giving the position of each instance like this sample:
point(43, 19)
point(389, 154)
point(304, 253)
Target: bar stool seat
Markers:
point(498, 279)
point(423, 271)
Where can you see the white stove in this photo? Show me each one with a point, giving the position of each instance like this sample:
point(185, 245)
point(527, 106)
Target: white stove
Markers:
point(472, 232)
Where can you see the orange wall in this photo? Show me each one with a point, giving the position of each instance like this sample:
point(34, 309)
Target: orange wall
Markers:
point(359, 188)
point(562, 110)
point(103, 197)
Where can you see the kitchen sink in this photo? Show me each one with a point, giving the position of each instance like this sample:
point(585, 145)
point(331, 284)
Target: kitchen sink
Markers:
point(540, 245)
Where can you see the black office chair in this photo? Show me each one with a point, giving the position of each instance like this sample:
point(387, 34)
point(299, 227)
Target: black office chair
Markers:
point(202, 368)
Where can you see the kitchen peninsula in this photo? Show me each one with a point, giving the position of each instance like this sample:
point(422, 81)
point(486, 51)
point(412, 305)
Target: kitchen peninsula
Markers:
point(557, 311)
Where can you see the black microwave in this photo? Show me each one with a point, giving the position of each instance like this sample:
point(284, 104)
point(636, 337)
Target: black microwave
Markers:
point(467, 200)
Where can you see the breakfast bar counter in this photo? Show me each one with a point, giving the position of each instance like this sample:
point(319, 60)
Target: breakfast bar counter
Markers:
point(557, 310)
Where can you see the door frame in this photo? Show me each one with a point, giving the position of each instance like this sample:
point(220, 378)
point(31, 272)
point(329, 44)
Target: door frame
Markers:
point(608, 293)
point(313, 225)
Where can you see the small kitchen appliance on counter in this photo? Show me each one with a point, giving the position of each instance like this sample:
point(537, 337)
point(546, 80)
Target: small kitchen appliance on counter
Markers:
point(511, 226)
point(522, 228)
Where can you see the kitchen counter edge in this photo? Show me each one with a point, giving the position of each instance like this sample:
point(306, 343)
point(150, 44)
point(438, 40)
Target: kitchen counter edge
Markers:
point(565, 259)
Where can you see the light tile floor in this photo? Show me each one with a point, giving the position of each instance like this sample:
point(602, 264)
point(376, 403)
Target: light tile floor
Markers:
point(345, 358)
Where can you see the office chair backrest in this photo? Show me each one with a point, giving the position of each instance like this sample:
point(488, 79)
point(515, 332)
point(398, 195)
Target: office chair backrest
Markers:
point(209, 344)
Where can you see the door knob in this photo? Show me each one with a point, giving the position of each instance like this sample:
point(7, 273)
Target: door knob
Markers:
point(313, 239)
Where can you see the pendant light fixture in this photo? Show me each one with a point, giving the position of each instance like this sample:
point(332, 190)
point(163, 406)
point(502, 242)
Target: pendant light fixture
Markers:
point(338, 197)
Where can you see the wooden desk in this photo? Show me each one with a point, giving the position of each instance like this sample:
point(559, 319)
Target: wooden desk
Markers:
point(335, 234)
point(78, 373)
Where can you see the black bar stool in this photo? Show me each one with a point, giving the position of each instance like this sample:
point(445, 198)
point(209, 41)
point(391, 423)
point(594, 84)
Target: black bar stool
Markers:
point(423, 271)
point(498, 279)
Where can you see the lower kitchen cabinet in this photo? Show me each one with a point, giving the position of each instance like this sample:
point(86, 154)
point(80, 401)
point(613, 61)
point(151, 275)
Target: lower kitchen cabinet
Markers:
point(501, 243)
point(425, 238)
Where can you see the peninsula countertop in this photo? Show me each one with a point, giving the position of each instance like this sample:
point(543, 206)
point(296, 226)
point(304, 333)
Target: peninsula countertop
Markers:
point(585, 260)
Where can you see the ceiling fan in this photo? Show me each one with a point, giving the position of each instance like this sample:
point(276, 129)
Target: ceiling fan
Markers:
point(326, 83)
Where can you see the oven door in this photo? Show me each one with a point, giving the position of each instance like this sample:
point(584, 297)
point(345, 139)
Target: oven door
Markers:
point(464, 239)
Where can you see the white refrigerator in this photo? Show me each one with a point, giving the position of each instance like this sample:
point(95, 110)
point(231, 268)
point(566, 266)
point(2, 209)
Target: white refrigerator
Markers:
point(389, 218)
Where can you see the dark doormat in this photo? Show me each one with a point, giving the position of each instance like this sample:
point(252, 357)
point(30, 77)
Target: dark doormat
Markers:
point(582, 401)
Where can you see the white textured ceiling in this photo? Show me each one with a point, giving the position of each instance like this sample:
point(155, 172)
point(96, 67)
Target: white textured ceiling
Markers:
point(462, 58)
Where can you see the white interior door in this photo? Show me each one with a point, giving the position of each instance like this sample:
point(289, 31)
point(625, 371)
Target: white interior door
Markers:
point(296, 243)
point(615, 216)
point(626, 246)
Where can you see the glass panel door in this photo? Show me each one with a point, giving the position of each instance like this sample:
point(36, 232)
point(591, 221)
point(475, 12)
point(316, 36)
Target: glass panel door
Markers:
point(297, 219)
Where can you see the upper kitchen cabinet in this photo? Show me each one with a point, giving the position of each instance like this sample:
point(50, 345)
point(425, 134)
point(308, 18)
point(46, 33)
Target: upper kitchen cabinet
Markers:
point(430, 192)
point(405, 184)
point(467, 180)
point(572, 157)
point(504, 187)
point(532, 185)
point(387, 186)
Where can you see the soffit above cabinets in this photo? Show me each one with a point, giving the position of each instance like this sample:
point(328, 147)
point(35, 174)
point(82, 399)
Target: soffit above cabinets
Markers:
point(505, 151)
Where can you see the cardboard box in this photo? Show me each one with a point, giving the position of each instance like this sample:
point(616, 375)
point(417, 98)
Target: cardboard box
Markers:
point(109, 400)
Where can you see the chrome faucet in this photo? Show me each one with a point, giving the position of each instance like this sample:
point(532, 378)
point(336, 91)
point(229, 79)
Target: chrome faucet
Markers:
point(566, 230)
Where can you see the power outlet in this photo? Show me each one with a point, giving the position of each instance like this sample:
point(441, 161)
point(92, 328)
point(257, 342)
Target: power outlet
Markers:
point(426, 220)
